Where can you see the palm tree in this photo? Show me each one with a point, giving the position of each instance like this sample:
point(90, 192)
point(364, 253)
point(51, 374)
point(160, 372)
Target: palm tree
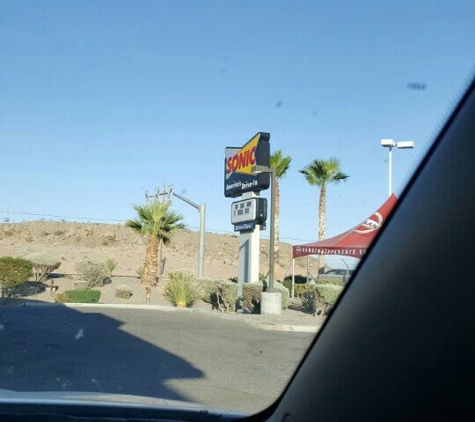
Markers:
point(158, 222)
point(281, 164)
point(322, 173)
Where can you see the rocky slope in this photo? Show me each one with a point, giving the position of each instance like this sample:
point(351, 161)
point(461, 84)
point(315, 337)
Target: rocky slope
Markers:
point(72, 242)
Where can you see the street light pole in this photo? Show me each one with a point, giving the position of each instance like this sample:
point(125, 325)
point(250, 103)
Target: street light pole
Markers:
point(390, 144)
point(202, 210)
point(390, 177)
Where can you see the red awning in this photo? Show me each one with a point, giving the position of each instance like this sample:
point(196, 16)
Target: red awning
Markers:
point(353, 242)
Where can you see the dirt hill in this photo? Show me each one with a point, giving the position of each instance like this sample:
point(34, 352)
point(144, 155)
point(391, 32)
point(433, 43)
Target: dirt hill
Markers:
point(72, 242)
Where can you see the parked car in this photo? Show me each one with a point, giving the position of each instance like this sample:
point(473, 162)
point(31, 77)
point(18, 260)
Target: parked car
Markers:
point(336, 274)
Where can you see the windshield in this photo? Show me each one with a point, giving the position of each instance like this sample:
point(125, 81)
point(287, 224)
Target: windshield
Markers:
point(188, 187)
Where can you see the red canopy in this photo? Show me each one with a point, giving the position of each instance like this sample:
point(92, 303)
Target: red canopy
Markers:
point(353, 242)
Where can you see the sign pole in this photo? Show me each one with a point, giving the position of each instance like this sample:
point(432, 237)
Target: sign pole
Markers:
point(271, 230)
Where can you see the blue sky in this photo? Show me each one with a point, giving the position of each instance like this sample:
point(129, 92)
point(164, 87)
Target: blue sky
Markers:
point(102, 100)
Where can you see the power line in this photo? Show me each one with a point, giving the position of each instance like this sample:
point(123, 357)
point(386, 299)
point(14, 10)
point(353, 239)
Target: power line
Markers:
point(60, 216)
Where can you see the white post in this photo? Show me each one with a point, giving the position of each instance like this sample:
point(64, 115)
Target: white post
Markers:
point(293, 277)
point(390, 170)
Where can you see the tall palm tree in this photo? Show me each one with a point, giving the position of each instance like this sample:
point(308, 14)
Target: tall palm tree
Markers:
point(322, 173)
point(158, 222)
point(281, 165)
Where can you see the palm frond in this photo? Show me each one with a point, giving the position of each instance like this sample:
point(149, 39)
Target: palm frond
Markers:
point(156, 219)
point(280, 163)
point(320, 172)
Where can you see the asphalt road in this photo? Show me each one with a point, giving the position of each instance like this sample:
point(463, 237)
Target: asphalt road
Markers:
point(172, 355)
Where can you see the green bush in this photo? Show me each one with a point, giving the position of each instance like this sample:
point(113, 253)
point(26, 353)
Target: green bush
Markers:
point(251, 297)
point(208, 287)
point(43, 264)
point(92, 271)
point(123, 291)
point(251, 293)
point(329, 292)
point(110, 266)
point(334, 282)
point(81, 284)
point(288, 284)
point(285, 294)
point(328, 295)
point(182, 289)
point(82, 296)
point(13, 271)
point(300, 289)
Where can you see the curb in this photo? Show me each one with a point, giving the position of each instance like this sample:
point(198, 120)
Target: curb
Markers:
point(269, 326)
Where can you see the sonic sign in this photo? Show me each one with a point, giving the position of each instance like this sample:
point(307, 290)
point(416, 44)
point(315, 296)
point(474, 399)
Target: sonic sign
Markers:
point(238, 163)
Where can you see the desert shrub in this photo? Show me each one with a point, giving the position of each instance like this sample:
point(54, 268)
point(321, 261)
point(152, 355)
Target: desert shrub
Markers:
point(252, 295)
point(224, 296)
point(110, 266)
point(123, 291)
point(328, 295)
point(43, 264)
point(208, 286)
point(61, 297)
point(182, 289)
point(300, 285)
point(300, 289)
point(329, 292)
point(81, 284)
point(139, 272)
point(13, 271)
point(82, 296)
point(9, 232)
point(92, 271)
point(314, 303)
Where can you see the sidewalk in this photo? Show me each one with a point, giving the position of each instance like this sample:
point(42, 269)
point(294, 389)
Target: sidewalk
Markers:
point(292, 319)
